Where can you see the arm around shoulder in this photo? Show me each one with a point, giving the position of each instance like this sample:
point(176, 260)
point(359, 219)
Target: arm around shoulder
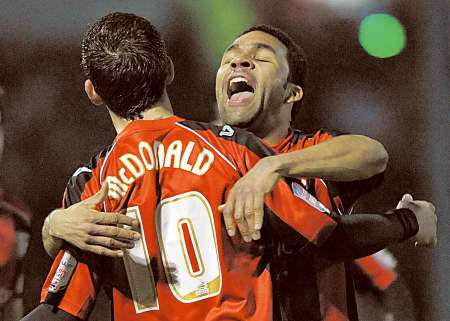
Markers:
point(344, 158)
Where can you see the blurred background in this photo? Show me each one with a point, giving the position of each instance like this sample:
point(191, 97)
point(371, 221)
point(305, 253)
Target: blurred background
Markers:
point(378, 68)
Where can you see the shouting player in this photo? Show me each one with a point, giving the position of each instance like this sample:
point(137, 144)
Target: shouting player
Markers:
point(189, 162)
point(307, 287)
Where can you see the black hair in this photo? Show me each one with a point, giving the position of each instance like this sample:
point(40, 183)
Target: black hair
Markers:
point(296, 58)
point(126, 59)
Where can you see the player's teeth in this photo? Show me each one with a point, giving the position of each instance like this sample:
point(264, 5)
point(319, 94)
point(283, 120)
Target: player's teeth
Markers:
point(238, 79)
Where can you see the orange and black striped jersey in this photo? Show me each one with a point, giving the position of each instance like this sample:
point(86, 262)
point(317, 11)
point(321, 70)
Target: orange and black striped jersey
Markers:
point(308, 287)
point(172, 175)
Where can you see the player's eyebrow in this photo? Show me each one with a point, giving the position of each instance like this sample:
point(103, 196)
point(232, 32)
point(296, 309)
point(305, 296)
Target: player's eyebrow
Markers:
point(257, 45)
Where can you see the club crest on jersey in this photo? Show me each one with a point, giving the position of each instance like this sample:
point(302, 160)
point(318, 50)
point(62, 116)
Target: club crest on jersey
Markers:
point(303, 194)
point(226, 131)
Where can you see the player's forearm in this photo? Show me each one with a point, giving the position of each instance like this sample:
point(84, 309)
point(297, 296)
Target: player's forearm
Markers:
point(344, 158)
point(52, 244)
point(359, 235)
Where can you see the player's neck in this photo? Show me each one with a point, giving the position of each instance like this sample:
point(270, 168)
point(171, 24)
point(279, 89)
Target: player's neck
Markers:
point(161, 109)
point(275, 135)
point(274, 128)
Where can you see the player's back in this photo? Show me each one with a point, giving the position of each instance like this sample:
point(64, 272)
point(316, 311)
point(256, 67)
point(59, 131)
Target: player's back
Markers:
point(201, 273)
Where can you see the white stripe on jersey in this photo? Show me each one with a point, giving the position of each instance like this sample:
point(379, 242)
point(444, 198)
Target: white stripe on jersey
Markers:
point(82, 170)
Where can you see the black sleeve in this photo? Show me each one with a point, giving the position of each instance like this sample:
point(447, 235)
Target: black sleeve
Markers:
point(350, 192)
point(46, 312)
point(359, 235)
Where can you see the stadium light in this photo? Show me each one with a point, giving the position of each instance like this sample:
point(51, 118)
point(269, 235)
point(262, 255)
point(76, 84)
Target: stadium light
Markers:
point(382, 35)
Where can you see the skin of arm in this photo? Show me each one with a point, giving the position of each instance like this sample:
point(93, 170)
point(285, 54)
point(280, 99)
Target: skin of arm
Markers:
point(343, 158)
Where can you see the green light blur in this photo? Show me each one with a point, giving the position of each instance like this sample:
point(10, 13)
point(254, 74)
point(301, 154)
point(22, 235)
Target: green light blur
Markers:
point(220, 21)
point(382, 35)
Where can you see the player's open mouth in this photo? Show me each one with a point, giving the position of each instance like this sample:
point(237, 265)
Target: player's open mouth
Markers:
point(240, 91)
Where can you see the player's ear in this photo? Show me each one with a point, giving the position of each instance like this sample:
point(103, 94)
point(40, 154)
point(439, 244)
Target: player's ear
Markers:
point(92, 94)
point(170, 72)
point(294, 93)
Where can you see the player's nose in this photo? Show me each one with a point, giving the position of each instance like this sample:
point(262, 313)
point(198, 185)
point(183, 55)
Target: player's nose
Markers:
point(242, 63)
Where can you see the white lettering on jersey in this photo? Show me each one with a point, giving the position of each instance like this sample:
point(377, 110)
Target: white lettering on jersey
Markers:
point(149, 157)
point(146, 153)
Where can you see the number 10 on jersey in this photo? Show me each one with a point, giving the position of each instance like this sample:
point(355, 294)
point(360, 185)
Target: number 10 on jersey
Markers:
point(188, 246)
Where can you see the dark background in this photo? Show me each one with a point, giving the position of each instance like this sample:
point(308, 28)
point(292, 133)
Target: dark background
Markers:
point(402, 101)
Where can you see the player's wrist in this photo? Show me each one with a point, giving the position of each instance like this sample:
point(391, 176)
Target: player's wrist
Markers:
point(409, 221)
point(274, 164)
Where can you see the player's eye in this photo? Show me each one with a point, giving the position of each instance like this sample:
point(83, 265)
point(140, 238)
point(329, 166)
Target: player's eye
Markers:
point(262, 59)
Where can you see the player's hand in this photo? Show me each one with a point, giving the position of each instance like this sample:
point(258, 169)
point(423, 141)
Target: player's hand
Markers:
point(90, 230)
point(244, 206)
point(426, 217)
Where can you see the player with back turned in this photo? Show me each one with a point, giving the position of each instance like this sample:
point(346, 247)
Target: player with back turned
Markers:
point(226, 152)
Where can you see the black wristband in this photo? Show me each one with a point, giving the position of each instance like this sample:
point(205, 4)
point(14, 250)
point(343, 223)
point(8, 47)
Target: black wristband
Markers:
point(408, 220)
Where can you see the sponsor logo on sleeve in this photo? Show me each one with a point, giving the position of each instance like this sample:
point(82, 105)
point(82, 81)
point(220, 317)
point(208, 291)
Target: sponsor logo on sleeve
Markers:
point(63, 273)
point(303, 194)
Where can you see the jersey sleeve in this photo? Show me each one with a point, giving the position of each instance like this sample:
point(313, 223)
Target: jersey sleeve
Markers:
point(74, 278)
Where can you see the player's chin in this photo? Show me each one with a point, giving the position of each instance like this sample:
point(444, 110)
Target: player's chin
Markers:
point(239, 117)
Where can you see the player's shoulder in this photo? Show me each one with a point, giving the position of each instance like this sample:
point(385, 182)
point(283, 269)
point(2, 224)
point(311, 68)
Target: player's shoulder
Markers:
point(94, 161)
point(314, 137)
point(227, 135)
point(221, 131)
point(85, 171)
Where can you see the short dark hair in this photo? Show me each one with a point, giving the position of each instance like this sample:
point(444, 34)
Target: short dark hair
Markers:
point(296, 58)
point(126, 59)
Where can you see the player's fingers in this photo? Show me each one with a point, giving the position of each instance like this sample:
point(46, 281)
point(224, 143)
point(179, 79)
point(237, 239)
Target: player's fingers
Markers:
point(98, 197)
point(228, 219)
point(240, 220)
point(425, 204)
point(100, 250)
point(399, 205)
point(110, 243)
point(430, 244)
point(249, 214)
point(115, 232)
point(114, 219)
point(407, 197)
point(405, 201)
point(258, 208)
